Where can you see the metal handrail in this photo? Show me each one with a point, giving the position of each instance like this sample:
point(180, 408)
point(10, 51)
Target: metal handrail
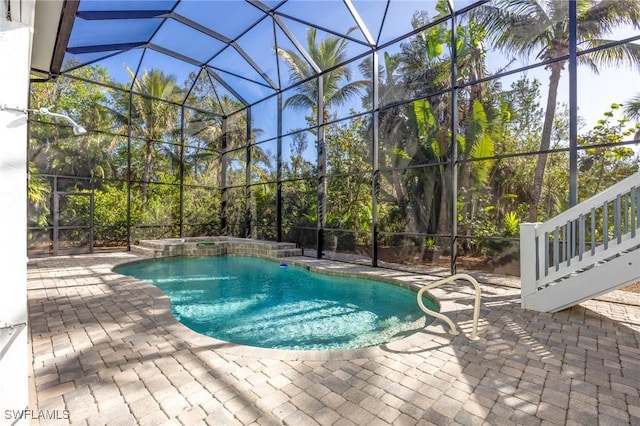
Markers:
point(476, 306)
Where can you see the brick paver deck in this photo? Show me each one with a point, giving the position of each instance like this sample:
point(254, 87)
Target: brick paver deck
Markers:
point(106, 350)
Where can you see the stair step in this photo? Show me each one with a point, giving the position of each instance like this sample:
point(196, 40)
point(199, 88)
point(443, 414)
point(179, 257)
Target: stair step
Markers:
point(589, 282)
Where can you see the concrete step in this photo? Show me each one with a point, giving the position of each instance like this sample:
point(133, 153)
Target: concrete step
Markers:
point(146, 251)
point(288, 252)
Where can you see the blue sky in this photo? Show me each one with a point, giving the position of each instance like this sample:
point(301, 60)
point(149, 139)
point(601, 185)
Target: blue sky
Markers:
point(596, 92)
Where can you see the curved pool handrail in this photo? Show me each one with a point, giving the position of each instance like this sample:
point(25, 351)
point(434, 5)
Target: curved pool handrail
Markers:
point(476, 306)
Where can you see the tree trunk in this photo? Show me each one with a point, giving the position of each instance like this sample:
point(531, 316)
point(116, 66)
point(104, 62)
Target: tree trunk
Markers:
point(465, 173)
point(401, 201)
point(322, 173)
point(147, 169)
point(444, 227)
point(545, 140)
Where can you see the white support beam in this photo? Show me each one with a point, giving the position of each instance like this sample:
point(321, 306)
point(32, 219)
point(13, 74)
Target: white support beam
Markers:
point(16, 34)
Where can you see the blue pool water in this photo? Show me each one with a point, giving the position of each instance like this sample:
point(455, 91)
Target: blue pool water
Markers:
point(257, 302)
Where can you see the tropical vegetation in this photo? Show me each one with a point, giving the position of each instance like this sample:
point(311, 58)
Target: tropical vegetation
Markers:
point(426, 169)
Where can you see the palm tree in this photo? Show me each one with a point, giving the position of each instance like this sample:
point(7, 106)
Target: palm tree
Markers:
point(210, 134)
point(393, 126)
point(337, 86)
point(539, 27)
point(68, 155)
point(425, 68)
point(152, 119)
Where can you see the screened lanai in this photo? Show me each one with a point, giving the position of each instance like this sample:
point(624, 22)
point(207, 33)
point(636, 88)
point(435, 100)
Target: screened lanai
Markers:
point(392, 133)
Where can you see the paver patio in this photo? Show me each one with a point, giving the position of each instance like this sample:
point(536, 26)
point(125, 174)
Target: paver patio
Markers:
point(107, 350)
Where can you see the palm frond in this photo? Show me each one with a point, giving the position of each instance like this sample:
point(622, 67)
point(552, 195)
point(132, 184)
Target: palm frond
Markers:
point(632, 108)
point(343, 94)
point(589, 62)
point(299, 69)
point(301, 101)
point(603, 17)
point(326, 53)
point(513, 26)
point(627, 54)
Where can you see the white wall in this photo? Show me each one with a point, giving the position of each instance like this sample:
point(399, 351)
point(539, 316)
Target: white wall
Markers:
point(15, 51)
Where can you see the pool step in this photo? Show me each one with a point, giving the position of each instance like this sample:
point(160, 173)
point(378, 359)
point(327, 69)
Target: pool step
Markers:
point(147, 251)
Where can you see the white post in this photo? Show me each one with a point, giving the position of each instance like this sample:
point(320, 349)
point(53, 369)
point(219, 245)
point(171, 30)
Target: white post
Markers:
point(528, 261)
point(15, 50)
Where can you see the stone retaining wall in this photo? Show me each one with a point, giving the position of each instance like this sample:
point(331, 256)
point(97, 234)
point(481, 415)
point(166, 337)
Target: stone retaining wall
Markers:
point(215, 246)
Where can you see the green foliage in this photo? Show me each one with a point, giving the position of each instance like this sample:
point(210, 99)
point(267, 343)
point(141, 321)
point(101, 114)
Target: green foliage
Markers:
point(110, 215)
point(427, 125)
point(349, 197)
point(414, 174)
point(53, 148)
point(481, 143)
point(603, 163)
point(539, 30)
point(38, 192)
point(430, 244)
point(511, 225)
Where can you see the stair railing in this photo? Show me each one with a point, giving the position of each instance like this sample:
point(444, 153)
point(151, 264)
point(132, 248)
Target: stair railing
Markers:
point(476, 307)
point(593, 231)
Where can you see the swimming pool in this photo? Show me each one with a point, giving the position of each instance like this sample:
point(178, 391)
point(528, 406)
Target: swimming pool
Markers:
point(257, 302)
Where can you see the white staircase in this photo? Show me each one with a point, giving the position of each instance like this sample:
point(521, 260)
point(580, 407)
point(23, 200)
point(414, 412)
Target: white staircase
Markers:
point(588, 250)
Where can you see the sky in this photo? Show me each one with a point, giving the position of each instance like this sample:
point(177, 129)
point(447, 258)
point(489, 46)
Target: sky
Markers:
point(595, 92)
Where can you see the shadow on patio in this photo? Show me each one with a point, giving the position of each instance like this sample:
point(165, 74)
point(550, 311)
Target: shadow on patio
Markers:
point(107, 350)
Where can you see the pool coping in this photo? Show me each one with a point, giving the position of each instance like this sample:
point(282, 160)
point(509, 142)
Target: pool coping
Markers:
point(423, 337)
